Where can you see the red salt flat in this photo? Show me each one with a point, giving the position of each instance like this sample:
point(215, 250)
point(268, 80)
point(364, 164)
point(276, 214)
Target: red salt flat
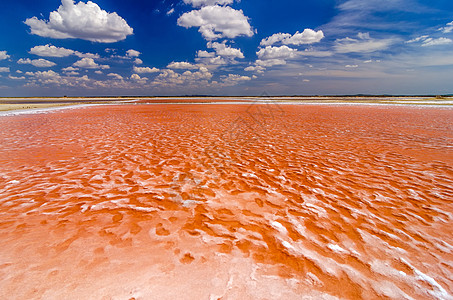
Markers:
point(227, 201)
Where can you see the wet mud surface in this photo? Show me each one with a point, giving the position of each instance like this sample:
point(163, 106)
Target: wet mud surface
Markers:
point(227, 202)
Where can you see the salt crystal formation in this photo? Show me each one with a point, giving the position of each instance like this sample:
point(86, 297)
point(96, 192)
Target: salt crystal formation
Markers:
point(255, 201)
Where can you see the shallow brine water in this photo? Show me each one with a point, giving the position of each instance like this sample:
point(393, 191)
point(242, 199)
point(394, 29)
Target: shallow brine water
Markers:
point(259, 201)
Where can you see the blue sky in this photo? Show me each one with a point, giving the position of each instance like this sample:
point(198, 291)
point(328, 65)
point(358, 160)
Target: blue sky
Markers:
point(225, 47)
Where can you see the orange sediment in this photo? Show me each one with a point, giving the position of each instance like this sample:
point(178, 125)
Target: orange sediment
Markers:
point(227, 201)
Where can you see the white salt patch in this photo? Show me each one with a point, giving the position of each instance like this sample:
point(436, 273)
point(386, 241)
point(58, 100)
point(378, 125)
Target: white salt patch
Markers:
point(441, 293)
point(84, 207)
point(249, 175)
point(279, 227)
point(189, 203)
point(390, 290)
point(337, 249)
point(288, 245)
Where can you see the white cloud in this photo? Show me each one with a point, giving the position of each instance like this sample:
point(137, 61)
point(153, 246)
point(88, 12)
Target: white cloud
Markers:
point(205, 54)
point(418, 39)
point(217, 21)
point(4, 55)
point(364, 43)
point(351, 66)
point(145, 70)
point(85, 21)
point(223, 50)
point(272, 56)
point(315, 53)
point(171, 78)
point(73, 73)
point(46, 77)
point(89, 55)
point(308, 36)
point(210, 60)
point(69, 69)
point(89, 63)
point(436, 42)
point(199, 3)
point(270, 62)
point(138, 79)
point(51, 51)
point(115, 76)
point(4, 70)
point(40, 63)
point(282, 52)
point(428, 41)
point(16, 78)
point(98, 72)
point(448, 28)
point(258, 69)
point(182, 65)
point(132, 53)
point(234, 79)
point(170, 12)
point(138, 61)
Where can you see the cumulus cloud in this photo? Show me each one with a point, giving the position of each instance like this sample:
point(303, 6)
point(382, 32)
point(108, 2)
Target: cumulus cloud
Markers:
point(145, 70)
point(258, 69)
point(85, 21)
point(282, 52)
point(270, 62)
point(115, 76)
point(3, 55)
point(4, 70)
point(40, 63)
point(234, 79)
point(132, 53)
point(217, 21)
point(199, 3)
point(210, 60)
point(223, 50)
point(16, 78)
point(308, 36)
point(171, 78)
point(351, 66)
point(89, 63)
point(272, 56)
point(182, 65)
point(364, 43)
point(138, 61)
point(205, 54)
point(52, 78)
point(69, 69)
point(51, 51)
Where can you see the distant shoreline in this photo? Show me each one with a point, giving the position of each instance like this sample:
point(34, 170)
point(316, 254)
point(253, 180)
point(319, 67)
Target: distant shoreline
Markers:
point(38, 103)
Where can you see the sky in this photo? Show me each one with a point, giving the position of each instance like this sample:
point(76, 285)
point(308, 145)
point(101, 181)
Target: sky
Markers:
point(225, 47)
